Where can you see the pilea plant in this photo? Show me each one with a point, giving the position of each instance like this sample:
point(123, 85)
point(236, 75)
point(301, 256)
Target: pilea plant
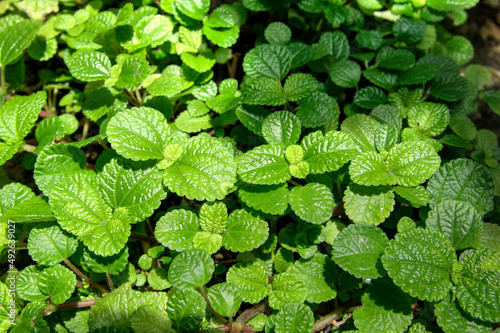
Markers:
point(255, 165)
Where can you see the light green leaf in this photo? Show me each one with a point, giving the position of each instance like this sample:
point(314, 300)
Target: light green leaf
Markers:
point(358, 248)
point(385, 308)
point(221, 17)
point(448, 5)
point(201, 62)
point(150, 319)
point(132, 72)
point(244, 232)
point(271, 199)
point(479, 290)
point(420, 262)
point(451, 318)
point(222, 37)
point(417, 196)
point(278, 33)
point(186, 309)
point(47, 131)
point(191, 269)
point(368, 204)
point(265, 165)
point(287, 288)
point(386, 137)
point(206, 171)
point(113, 265)
point(268, 61)
point(18, 203)
point(264, 91)
point(490, 237)
point(55, 162)
point(292, 317)
point(299, 85)
point(196, 108)
point(213, 217)
point(80, 209)
point(189, 124)
point(478, 75)
point(27, 284)
point(362, 129)
point(139, 133)
point(431, 118)
point(195, 9)
point(318, 109)
point(42, 49)
point(167, 85)
point(38, 9)
point(251, 278)
point(58, 283)
point(16, 37)
point(459, 49)
point(463, 180)
point(345, 73)
point(48, 245)
point(457, 220)
point(89, 66)
point(313, 203)
point(207, 241)
point(150, 30)
point(177, 229)
point(225, 298)
point(6, 300)
point(370, 169)
point(412, 163)
point(318, 274)
point(463, 126)
point(281, 128)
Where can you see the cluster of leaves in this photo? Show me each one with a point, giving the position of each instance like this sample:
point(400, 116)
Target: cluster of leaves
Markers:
point(334, 173)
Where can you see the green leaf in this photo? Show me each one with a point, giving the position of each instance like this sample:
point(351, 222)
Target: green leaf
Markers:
point(409, 30)
point(270, 199)
point(358, 248)
point(6, 300)
point(265, 165)
point(449, 87)
point(430, 118)
point(369, 39)
point(318, 274)
point(451, 318)
point(213, 217)
point(244, 232)
point(417, 196)
point(362, 129)
point(186, 308)
point(222, 37)
point(113, 265)
point(221, 17)
point(54, 163)
point(47, 131)
point(420, 262)
point(478, 75)
point(287, 288)
point(251, 278)
point(264, 91)
point(268, 61)
point(150, 319)
point(313, 203)
point(381, 78)
point(318, 109)
point(167, 85)
point(139, 133)
point(197, 108)
point(463, 180)
point(385, 308)
point(42, 49)
point(138, 190)
point(201, 62)
point(395, 58)
point(459, 49)
point(490, 237)
point(292, 317)
point(150, 30)
point(332, 44)
point(189, 124)
point(195, 9)
point(38, 9)
point(493, 99)
point(457, 220)
point(27, 284)
point(301, 54)
point(281, 128)
point(368, 204)
point(225, 298)
point(345, 73)
point(16, 37)
point(31, 319)
point(370, 169)
point(448, 5)
point(463, 126)
point(369, 97)
point(419, 73)
point(479, 290)
point(206, 171)
point(89, 66)
point(81, 210)
point(58, 283)
point(48, 245)
point(177, 229)
point(278, 33)
point(191, 269)
point(299, 85)
point(386, 137)
point(132, 72)
point(19, 204)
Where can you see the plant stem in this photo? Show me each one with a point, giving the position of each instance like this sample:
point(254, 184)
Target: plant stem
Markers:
point(234, 65)
point(85, 277)
point(110, 281)
point(80, 304)
point(142, 238)
point(3, 83)
point(86, 126)
point(131, 98)
point(324, 321)
point(27, 147)
point(293, 182)
point(205, 297)
point(252, 312)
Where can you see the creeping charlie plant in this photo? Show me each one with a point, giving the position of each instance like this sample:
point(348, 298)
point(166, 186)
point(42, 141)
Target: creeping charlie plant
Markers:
point(278, 166)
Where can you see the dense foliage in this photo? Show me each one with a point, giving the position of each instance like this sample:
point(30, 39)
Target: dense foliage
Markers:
point(255, 165)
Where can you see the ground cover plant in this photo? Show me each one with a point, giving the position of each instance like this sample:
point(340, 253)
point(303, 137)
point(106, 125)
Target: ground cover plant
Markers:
point(256, 165)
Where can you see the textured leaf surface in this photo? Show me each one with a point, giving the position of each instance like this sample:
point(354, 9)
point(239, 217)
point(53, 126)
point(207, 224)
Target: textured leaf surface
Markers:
point(362, 129)
point(368, 204)
point(313, 203)
point(58, 283)
point(89, 66)
point(291, 318)
point(281, 128)
point(244, 232)
point(298, 86)
point(195, 9)
point(252, 116)
point(462, 180)
point(451, 318)
point(27, 284)
point(479, 290)
point(278, 33)
point(431, 118)
point(345, 74)
point(418, 196)
point(264, 165)
point(318, 109)
point(251, 278)
point(287, 288)
point(271, 199)
point(186, 308)
point(48, 245)
point(490, 237)
point(420, 262)
point(15, 38)
point(271, 61)
point(191, 269)
point(328, 153)
point(358, 248)
point(225, 298)
point(448, 5)
point(150, 319)
point(385, 307)
point(264, 91)
point(370, 169)
point(139, 133)
point(113, 265)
